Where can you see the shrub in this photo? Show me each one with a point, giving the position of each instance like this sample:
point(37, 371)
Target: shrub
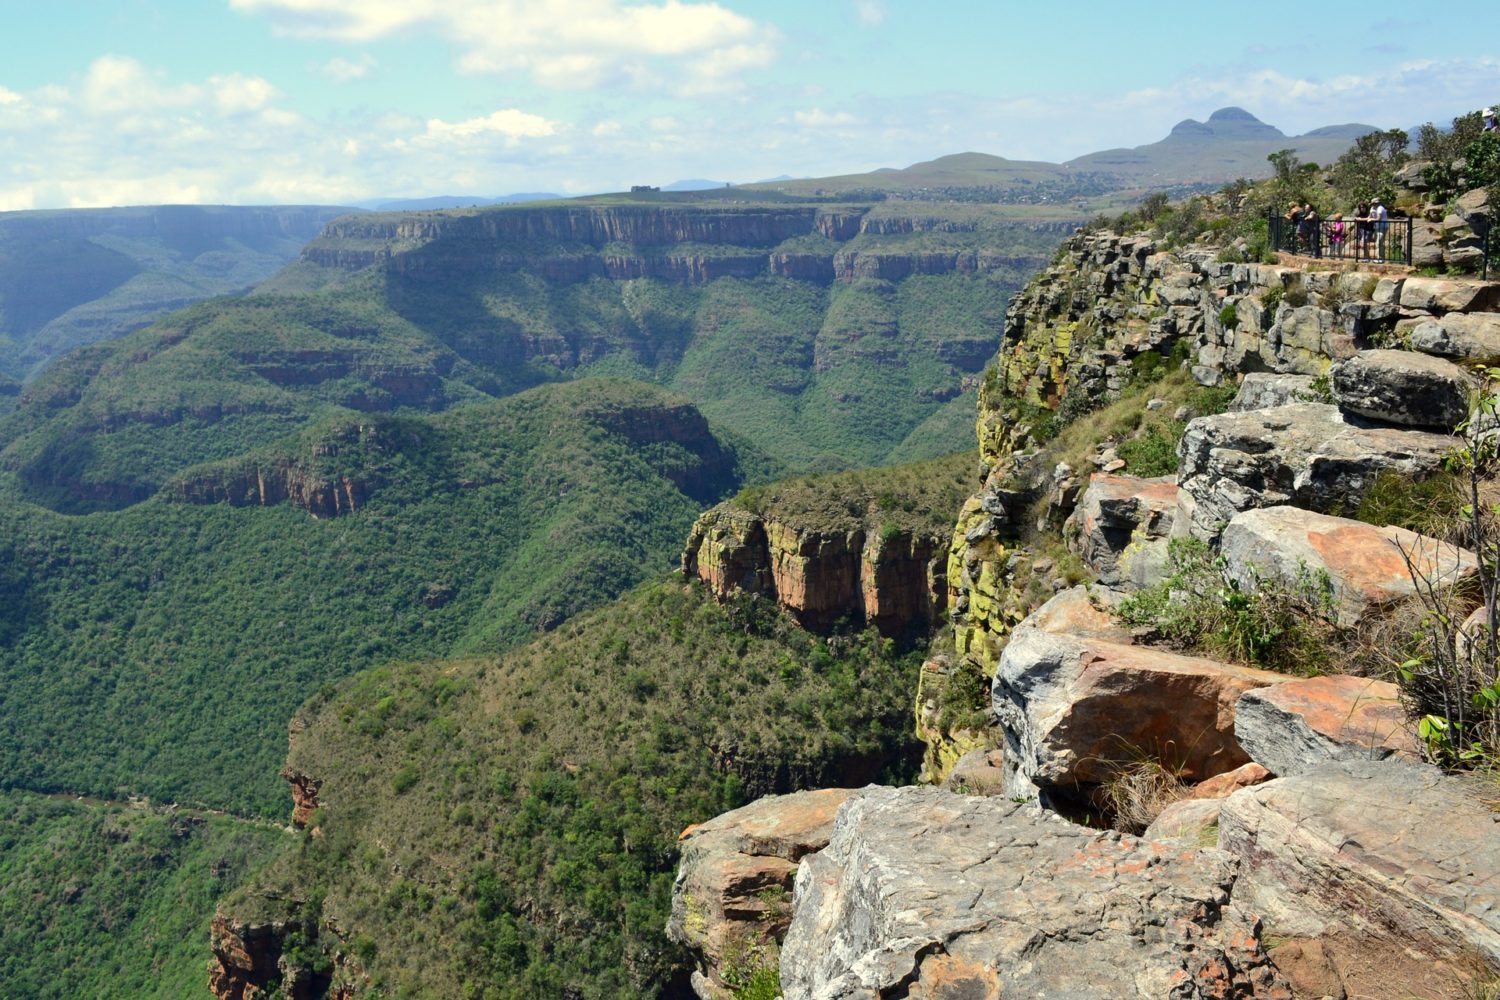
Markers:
point(1295, 294)
point(1229, 317)
point(1273, 623)
point(1153, 452)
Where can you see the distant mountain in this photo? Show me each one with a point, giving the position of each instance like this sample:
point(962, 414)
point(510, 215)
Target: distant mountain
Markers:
point(452, 201)
point(77, 276)
point(1232, 143)
point(694, 185)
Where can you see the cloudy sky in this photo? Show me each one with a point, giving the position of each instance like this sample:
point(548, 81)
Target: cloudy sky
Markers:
point(110, 102)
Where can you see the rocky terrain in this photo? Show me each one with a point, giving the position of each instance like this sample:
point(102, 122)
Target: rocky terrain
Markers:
point(1304, 849)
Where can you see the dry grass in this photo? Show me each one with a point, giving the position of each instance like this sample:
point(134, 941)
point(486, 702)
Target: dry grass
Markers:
point(1136, 793)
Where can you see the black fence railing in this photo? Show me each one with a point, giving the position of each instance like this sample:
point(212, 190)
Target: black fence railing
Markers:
point(1387, 242)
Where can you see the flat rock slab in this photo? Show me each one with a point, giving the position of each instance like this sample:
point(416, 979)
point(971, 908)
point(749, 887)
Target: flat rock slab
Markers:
point(1262, 390)
point(922, 893)
point(1381, 851)
point(1117, 517)
point(732, 891)
point(1191, 821)
point(1306, 455)
point(1073, 708)
point(1402, 387)
point(1445, 295)
point(1301, 725)
point(1364, 563)
point(1470, 336)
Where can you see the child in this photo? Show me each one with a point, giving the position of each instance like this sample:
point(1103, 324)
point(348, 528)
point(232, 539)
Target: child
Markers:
point(1336, 233)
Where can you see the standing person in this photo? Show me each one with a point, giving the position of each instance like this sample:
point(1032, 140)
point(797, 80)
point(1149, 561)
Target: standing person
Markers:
point(1364, 231)
point(1294, 216)
point(1308, 230)
point(1336, 235)
point(1491, 122)
point(1381, 218)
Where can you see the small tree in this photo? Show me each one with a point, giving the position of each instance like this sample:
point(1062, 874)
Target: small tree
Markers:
point(1452, 687)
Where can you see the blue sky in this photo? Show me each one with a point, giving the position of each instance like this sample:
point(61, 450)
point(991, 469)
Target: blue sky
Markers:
point(254, 101)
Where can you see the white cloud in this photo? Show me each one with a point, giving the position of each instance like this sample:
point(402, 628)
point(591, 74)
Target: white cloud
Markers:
point(818, 118)
point(510, 123)
point(9, 96)
point(341, 70)
point(607, 128)
point(568, 44)
point(237, 94)
point(870, 12)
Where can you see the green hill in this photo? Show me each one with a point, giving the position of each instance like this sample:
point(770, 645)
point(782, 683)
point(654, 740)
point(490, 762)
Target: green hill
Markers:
point(160, 649)
point(112, 901)
point(76, 276)
point(529, 806)
point(828, 337)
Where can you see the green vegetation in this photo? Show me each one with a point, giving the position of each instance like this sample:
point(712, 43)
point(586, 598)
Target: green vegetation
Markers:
point(921, 498)
point(528, 847)
point(104, 900)
point(160, 649)
point(1270, 623)
point(77, 276)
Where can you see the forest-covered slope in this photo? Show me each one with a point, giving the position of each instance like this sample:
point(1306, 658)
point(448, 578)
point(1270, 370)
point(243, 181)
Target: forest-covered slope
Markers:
point(160, 649)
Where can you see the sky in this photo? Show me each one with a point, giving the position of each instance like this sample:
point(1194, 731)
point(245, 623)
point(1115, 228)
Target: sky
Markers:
point(338, 101)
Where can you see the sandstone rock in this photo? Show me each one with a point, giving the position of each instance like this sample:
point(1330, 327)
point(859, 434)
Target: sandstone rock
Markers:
point(922, 893)
point(1305, 454)
point(1116, 518)
point(1393, 856)
point(1072, 709)
point(1474, 336)
point(1263, 390)
point(1299, 726)
point(731, 894)
point(1388, 290)
point(1192, 821)
point(1444, 295)
point(1224, 785)
point(1402, 387)
point(978, 772)
point(821, 576)
point(1364, 563)
point(1426, 245)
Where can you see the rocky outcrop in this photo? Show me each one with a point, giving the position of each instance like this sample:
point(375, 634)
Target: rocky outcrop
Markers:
point(1305, 455)
point(923, 893)
point(731, 902)
point(1378, 858)
point(249, 962)
point(281, 481)
point(1472, 337)
point(1076, 710)
point(893, 579)
point(1117, 523)
point(1403, 387)
point(1299, 726)
point(1263, 390)
point(304, 796)
point(1366, 567)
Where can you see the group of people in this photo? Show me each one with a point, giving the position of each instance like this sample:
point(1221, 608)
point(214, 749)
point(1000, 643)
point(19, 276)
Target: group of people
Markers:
point(1363, 236)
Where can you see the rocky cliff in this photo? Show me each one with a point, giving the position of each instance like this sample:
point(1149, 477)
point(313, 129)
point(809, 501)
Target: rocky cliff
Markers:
point(686, 244)
point(1340, 376)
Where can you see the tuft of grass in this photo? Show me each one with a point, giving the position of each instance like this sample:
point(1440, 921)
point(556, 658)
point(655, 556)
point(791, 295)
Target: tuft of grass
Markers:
point(1136, 792)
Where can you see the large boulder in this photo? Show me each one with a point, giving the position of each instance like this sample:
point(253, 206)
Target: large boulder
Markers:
point(1306, 454)
point(1391, 861)
point(1299, 726)
point(1117, 520)
point(1469, 336)
point(1364, 564)
point(1263, 390)
point(732, 896)
point(925, 894)
point(1402, 387)
point(1445, 295)
point(1075, 709)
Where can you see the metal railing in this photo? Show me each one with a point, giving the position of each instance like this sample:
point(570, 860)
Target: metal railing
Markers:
point(1386, 242)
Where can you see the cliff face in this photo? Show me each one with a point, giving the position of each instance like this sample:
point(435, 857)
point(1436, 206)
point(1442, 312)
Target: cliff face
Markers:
point(680, 244)
point(894, 579)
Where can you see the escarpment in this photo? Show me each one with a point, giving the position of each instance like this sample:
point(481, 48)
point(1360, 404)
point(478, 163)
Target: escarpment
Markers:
point(680, 244)
point(1289, 393)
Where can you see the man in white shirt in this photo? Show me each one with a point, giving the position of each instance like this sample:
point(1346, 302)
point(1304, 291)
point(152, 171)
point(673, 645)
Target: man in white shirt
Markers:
point(1382, 222)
